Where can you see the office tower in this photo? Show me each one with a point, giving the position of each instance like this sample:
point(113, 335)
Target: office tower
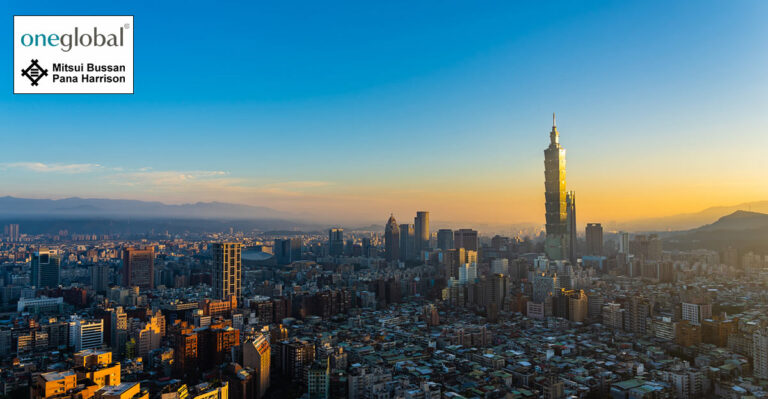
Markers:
point(570, 200)
point(647, 247)
point(336, 241)
point(465, 238)
point(367, 247)
point(139, 268)
point(544, 286)
point(227, 272)
point(257, 356)
point(421, 228)
point(12, 233)
point(407, 242)
point(578, 306)
point(445, 239)
point(86, 334)
point(392, 240)
point(497, 289)
point(500, 266)
point(467, 273)
point(46, 268)
point(118, 329)
point(556, 244)
point(295, 355)
point(287, 251)
point(594, 239)
point(100, 277)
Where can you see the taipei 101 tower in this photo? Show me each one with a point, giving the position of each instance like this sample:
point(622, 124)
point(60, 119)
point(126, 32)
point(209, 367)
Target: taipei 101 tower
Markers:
point(557, 245)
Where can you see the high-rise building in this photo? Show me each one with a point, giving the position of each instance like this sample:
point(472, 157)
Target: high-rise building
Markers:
point(421, 228)
point(594, 239)
point(287, 250)
point(500, 266)
point(318, 381)
point(392, 240)
point(86, 334)
point(696, 313)
point(407, 242)
point(466, 238)
point(100, 277)
point(570, 200)
point(760, 353)
point(556, 244)
point(336, 241)
point(46, 268)
point(445, 239)
point(257, 356)
point(12, 233)
point(227, 272)
point(139, 268)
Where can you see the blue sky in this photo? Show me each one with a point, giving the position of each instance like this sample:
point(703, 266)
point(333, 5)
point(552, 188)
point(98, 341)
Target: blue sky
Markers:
point(355, 109)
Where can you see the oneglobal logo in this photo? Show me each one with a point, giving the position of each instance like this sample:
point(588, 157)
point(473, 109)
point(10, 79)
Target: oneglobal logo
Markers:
point(73, 54)
point(67, 41)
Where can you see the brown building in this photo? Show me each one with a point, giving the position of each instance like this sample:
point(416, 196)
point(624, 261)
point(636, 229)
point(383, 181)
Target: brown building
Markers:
point(139, 268)
point(716, 330)
point(687, 334)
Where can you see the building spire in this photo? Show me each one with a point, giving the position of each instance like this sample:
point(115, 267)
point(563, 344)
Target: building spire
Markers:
point(554, 136)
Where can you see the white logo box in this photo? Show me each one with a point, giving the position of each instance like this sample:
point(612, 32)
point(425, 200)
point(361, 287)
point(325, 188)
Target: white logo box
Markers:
point(73, 54)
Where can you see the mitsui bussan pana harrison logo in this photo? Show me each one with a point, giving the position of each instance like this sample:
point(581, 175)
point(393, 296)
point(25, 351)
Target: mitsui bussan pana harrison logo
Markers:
point(73, 54)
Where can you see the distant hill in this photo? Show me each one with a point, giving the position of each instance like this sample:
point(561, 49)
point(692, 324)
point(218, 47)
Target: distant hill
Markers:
point(742, 230)
point(92, 207)
point(688, 221)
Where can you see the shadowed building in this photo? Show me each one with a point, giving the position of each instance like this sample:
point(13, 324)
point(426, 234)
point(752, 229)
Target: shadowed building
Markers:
point(392, 240)
point(139, 268)
point(46, 268)
point(421, 230)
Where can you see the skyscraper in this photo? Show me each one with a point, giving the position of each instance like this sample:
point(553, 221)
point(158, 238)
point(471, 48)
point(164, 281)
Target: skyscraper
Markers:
point(139, 267)
point(421, 228)
point(100, 277)
point(227, 272)
point(465, 238)
point(46, 268)
point(287, 250)
point(392, 240)
point(336, 241)
point(594, 239)
point(571, 217)
point(556, 244)
point(12, 233)
point(407, 242)
point(256, 355)
point(445, 239)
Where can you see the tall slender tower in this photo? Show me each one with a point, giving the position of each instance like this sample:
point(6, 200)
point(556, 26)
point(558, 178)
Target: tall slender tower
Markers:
point(227, 272)
point(556, 245)
point(572, 238)
point(421, 227)
point(392, 240)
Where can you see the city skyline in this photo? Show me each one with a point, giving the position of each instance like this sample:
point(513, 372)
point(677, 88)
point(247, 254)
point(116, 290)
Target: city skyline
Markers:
point(661, 113)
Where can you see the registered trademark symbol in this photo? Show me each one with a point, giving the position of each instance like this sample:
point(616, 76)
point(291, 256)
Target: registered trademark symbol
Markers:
point(127, 26)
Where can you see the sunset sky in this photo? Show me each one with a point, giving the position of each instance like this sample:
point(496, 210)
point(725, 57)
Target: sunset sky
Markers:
point(351, 110)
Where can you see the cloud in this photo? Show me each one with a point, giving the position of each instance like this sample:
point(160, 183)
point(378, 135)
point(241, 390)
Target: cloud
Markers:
point(53, 167)
point(169, 178)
